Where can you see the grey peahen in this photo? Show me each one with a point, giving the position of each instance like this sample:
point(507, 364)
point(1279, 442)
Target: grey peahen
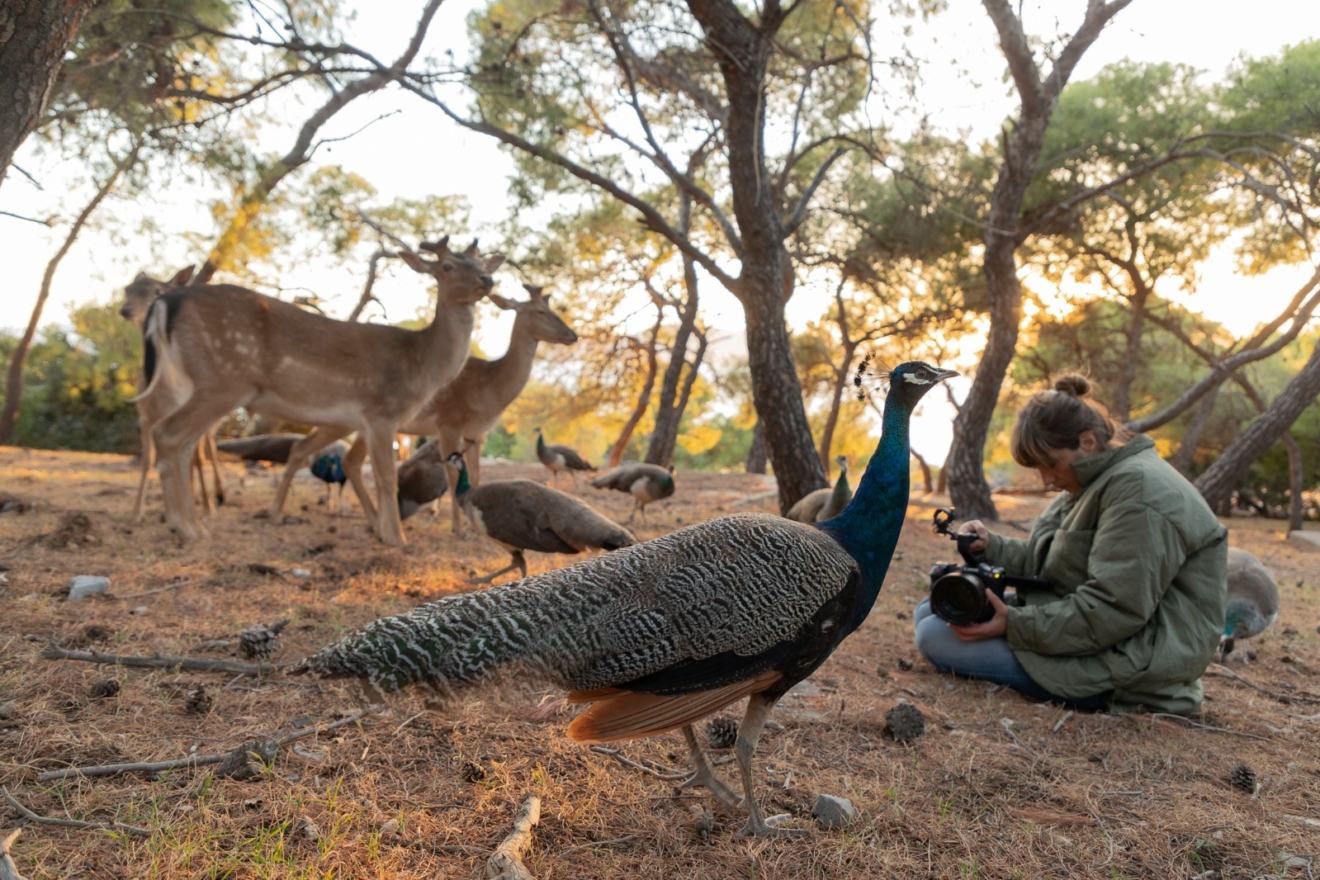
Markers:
point(661, 634)
point(644, 482)
point(1253, 600)
point(558, 458)
point(525, 515)
point(824, 504)
point(422, 479)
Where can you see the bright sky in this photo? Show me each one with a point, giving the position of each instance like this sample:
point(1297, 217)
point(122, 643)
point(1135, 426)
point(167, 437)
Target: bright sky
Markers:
point(417, 152)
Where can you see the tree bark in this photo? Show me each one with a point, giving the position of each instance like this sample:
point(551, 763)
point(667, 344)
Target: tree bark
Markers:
point(14, 383)
point(667, 411)
point(965, 463)
point(743, 50)
point(1224, 476)
point(643, 398)
point(1182, 459)
point(34, 37)
point(758, 456)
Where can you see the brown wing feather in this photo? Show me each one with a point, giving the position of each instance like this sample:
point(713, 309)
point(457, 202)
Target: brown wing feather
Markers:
point(632, 715)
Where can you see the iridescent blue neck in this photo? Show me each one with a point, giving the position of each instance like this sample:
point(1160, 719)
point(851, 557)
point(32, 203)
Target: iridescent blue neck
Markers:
point(868, 527)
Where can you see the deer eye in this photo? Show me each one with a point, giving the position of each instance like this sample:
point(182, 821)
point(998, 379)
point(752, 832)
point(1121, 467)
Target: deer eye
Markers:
point(448, 267)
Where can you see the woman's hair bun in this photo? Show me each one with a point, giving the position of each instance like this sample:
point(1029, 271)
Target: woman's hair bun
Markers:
point(1077, 386)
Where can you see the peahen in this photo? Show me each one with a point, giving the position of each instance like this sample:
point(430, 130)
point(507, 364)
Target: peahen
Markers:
point(824, 504)
point(1253, 600)
point(422, 479)
point(644, 482)
point(525, 515)
point(659, 635)
point(558, 458)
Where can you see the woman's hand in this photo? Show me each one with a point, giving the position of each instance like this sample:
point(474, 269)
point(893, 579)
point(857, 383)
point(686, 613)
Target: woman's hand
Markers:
point(995, 627)
point(976, 527)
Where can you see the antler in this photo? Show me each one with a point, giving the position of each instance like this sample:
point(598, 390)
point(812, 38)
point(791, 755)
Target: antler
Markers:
point(435, 247)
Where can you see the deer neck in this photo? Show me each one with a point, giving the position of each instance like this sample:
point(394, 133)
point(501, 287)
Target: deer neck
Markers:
point(511, 372)
point(447, 340)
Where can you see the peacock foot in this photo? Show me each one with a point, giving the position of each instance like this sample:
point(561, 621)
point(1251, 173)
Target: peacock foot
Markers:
point(703, 775)
point(769, 827)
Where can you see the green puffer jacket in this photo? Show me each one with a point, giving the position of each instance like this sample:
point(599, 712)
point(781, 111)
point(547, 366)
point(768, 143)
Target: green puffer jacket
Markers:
point(1138, 566)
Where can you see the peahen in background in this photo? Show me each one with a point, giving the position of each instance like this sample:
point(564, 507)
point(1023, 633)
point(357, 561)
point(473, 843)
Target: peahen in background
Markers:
point(558, 458)
point(824, 504)
point(644, 482)
point(1253, 600)
point(525, 515)
point(422, 479)
point(661, 634)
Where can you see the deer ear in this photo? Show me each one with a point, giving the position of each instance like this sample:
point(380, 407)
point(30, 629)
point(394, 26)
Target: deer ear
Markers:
point(500, 301)
point(182, 277)
point(534, 290)
point(416, 263)
point(493, 262)
point(436, 247)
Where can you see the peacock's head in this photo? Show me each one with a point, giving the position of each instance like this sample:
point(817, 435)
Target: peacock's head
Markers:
point(455, 459)
point(907, 383)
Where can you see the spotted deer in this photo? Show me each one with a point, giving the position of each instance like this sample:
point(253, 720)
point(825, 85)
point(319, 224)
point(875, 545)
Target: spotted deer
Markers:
point(233, 347)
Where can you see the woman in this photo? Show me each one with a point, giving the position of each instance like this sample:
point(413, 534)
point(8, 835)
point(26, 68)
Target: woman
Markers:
point(1135, 561)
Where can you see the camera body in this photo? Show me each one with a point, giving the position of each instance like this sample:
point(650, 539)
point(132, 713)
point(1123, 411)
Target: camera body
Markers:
point(958, 592)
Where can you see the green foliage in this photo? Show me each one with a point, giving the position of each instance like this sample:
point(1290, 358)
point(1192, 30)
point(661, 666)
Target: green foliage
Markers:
point(78, 382)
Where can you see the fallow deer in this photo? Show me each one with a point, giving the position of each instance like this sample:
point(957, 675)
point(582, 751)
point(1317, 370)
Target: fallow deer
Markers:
point(234, 347)
point(462, 414)
point(139, 294)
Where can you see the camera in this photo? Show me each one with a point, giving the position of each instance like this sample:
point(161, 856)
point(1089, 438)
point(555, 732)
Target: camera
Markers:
point(958, 591)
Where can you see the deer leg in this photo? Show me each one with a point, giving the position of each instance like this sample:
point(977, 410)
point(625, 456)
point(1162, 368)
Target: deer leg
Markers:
point(148, 460)
point(357, 453)
point(197, 467)
point(320, 437)
point(214, 454)
point(380, 446)
point(175, 437)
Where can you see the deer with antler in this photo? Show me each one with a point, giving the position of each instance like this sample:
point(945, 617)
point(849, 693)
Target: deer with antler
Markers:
point(234, 347)
point(139, 294)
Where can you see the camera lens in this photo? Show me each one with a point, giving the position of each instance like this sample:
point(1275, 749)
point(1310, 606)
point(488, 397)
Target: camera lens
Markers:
point(959, 598)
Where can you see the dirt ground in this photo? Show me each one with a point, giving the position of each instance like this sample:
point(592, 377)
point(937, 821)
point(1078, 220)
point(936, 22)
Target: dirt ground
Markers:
point(995, 787)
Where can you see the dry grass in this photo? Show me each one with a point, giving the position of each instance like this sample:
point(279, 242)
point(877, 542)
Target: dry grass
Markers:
point(995, 788)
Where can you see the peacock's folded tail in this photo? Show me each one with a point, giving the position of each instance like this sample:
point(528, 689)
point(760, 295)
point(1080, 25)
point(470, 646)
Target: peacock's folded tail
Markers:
point(624, 714)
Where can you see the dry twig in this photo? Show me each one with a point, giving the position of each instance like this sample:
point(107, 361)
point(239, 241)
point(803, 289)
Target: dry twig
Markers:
point(653, 770)
point(1197, 725)
point(70, 823)
point(164, 589)
point(196, 664)
point(506, 862)
point(1219, 669)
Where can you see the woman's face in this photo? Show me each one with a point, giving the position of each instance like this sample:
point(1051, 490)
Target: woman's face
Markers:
point(1060, 474)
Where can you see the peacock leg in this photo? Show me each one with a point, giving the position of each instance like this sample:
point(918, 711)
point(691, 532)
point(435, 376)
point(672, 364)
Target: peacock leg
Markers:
point(758, 710)
point(518, 562)
point(704, 774)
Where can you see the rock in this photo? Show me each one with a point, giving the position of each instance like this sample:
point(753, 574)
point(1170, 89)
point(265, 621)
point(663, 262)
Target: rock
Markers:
point(1305, 540)
point(84, 585)
point(833, 812)
point(301, 574)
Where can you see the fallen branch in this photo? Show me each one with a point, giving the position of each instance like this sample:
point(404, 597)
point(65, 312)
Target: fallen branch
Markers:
point(164, 589)
point(1058, 725)
point(1196, 724)
point(506, 862)
point(8, 870)
point(70, 823)
point(1220, 669)
point(1311, 823)
point(195, 664)
point(237, 757)
point(654, 770)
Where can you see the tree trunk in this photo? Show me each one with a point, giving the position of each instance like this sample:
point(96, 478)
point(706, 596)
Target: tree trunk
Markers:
point(667, 413)
point(758, 456)
point(644, 398)
point(1224, 476)
point(743, 50)
point(1122, 398)
point(34, 37)
point(14, 385)
point(964, 465)
point(1296, 480)
point(925, 470)
point(1182, 459)
point(836, 405)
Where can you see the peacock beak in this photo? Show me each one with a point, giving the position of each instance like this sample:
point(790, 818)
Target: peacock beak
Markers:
point(946, 374)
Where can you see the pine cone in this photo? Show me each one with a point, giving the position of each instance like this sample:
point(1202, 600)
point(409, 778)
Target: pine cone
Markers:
point(198, 701)
point(104, 690)
point(904, 723)
point(721, 733)
point(260, 642)
point(1243, 777)
point(472, 773)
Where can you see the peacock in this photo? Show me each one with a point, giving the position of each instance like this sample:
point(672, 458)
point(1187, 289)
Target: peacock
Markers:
point(645, 482)
point(661, 634)
point(326, 464)
point(1253, 600)
point(558, 458)
point(422, 479)
point(525, 515)
point(824, 504)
